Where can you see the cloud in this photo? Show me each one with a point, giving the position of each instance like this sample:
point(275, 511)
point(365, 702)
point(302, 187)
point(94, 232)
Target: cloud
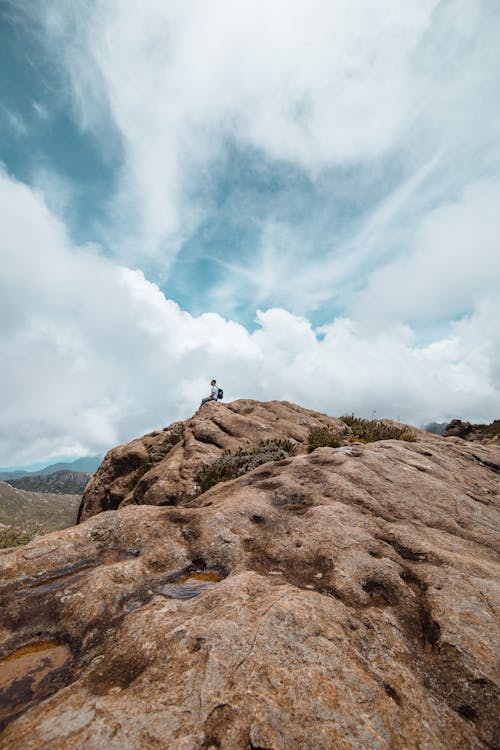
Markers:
point(357, 141)
point(58, 191)
point(387, 111)
point(453, 264)
point(15, 122)
point(94, 354)
point(40, 110)
point(312, 83)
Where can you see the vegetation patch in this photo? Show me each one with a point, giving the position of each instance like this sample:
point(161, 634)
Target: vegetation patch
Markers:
point(13, 536)
point(488, 430)
point(357, 430)
point(322, 437)
point(176, 433)
point(370, 430)
point(234, 464)
point(493, 428)
point(157, 452)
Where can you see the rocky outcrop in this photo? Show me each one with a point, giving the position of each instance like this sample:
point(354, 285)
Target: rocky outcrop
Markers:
point(481, 433)
point(161, 468)
point(345, 598)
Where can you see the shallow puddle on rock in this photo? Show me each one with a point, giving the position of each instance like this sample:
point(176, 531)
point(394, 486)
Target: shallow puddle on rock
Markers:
point(190, 585)
point(30, 674)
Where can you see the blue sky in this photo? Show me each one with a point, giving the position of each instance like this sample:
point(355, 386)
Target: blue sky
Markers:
point(306, 192)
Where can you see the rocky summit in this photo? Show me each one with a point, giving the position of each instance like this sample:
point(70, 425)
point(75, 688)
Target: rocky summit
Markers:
point(162, 468)
point(345, 597)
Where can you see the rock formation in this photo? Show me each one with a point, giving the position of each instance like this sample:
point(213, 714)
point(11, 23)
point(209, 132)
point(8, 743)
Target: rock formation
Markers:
point(481, 433)
point(345, 598)
point(160, 468)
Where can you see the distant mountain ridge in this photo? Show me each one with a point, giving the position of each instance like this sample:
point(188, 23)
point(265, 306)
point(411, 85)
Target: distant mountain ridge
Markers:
point(86, 464)
point(59, 482)
point(436, 428)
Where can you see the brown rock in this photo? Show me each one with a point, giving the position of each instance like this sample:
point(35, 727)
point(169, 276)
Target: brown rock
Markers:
point(341, 599)
point(160, 468)
point(457, 428)
point(487, 434)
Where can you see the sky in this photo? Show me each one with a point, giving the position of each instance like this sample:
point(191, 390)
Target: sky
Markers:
point(299, 198)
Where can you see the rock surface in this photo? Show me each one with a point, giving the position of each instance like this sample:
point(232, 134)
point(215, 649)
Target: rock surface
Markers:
point(347, 598)
point(160, 468)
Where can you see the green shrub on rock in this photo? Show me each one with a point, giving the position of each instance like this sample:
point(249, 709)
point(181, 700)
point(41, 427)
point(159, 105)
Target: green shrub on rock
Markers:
point(322, 437)
point(234, 464)
point(357, 430)
point(370, 430)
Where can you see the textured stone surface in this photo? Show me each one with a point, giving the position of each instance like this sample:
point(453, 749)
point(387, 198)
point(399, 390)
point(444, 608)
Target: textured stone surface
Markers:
point(347, 599)
point(160, 468)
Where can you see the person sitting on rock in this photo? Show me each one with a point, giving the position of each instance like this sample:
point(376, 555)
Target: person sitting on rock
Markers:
point(213, 393)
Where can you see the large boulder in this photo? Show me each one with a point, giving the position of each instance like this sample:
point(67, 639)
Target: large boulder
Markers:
point(161, 468)
point(457, 428)
point(345, 598)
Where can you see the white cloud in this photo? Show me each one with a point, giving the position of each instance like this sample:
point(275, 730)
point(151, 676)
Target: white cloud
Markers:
point(16, 123)
point(59, 192)
point(40, 110)
point(453, 265)
point(396, 87)
point(94, 354)
point(313, 83)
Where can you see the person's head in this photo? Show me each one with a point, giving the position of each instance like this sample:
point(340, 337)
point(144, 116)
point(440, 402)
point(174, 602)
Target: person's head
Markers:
point(212, 382)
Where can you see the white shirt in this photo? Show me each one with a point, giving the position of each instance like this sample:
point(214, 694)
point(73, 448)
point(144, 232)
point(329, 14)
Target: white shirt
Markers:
point(214, 391)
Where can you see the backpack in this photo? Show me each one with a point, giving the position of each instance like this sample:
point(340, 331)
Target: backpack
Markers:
point(220, 394)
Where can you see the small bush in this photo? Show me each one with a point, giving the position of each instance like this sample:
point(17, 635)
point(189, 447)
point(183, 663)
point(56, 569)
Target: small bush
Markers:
point(176, 433)
point(370, 430)
point(489, 430)
point(157, 452)
point(322, 437)
point(351, 420)
point(408, 436)
point(234, 464)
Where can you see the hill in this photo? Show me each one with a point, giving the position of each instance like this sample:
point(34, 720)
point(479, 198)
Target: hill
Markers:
point(338, 597)
point(167, 467)
point(87, 464)
point(437, 428)
point(24, 514)
point(59, 482)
